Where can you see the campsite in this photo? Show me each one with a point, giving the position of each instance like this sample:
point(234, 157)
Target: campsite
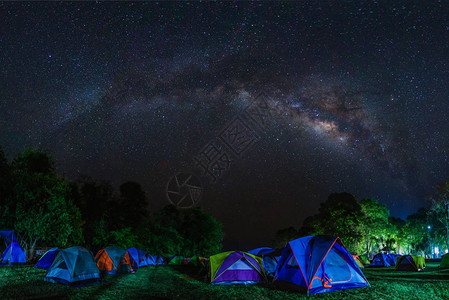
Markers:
point(224, 149)
point(174, 283)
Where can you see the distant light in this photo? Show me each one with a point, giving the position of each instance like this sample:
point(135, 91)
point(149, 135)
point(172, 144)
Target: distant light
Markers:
point(436, 250)
point(447, 251)
point(429, 227)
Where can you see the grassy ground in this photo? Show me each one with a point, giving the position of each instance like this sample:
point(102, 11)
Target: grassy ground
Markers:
point(163, 282)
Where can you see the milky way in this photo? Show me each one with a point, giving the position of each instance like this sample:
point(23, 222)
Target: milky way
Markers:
point(133, 91)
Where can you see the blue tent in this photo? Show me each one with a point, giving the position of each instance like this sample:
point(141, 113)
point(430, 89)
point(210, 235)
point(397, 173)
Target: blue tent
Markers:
point(261, 251)
point(74, 266)
point(47, 259)
point(8, 236)
point(13, 254)
point(393, 258)
point(319, 264)
point(150, 260)
point(270, 258)
point(270, 263)
point(138, 259)
point(382, 260)
point(159, 260)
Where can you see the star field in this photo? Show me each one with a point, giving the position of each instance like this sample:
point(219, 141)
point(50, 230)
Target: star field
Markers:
point(132, 91)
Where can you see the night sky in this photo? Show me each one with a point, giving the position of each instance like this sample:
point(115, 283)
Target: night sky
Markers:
point(135, 91)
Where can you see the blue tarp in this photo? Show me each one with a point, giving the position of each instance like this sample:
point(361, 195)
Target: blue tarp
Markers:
point(13, 254)
point(320, 264)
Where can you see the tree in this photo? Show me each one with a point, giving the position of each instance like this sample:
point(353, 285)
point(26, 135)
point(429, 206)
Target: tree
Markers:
point(310, 226)
point(283, 236)
point(374, 221)
point(340, 215)
point(132, 208)
point(44, 210)
point(198, 233)
point(396, 232)
point(6, 216)
point(416, 231)
point(202, 233)
point(94, 199)
point(440, 207)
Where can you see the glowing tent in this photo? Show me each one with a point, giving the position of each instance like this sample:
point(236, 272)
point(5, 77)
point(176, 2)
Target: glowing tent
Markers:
point(319, 264)
point(113, 260)
point(235, 267)
point(74, 266)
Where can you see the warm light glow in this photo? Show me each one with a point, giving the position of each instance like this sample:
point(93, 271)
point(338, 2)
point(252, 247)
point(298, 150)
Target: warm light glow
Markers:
point(436, 250)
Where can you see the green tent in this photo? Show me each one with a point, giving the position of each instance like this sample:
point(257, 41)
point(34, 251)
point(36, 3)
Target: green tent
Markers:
point(177, 260)
point(235, 267)
point(444, 262)
point(196, 261)
point(410, 263)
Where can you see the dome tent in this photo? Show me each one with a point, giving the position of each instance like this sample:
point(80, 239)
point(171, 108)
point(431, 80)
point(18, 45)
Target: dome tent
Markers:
point(410, 263)
point(74, 266)
point(382, 260)
point(319, 264)
point(138, 259)
point(47, 259)
point(113, 260)
point(13, 254)
point(235, 267)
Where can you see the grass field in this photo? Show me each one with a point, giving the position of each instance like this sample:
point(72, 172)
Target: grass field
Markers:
point(164, 282)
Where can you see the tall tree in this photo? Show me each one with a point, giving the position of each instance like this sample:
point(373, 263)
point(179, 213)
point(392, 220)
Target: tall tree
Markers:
point(6, 183)
point(94, 199)
point(374, 221)
point(341, 215)
point(283, 236)
point(396, 231)
point(44, 210)
point(133, 205)
point(416, 231)
point(440, 207)
point(198, 232)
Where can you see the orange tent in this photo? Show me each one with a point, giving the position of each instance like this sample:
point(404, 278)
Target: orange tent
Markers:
point(113, 260)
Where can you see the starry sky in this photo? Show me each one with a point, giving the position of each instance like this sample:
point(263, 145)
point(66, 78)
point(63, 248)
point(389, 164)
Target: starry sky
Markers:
point(135, 91)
